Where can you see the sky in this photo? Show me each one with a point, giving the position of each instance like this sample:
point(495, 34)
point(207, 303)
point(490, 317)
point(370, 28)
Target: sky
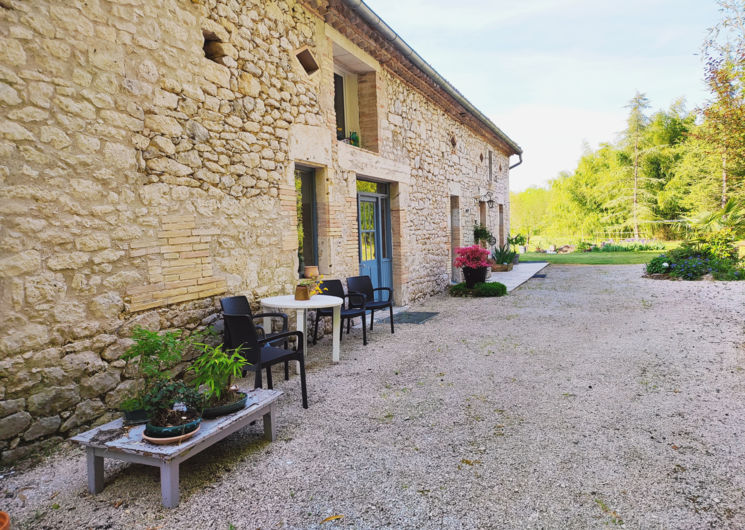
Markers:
point(555, 75)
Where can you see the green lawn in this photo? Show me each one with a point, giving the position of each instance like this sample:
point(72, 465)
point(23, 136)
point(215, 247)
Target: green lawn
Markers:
point(593, 258)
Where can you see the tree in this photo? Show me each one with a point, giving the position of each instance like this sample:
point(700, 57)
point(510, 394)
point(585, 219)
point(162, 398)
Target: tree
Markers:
point(723, 127)
point(637, 121)
point(529, 211)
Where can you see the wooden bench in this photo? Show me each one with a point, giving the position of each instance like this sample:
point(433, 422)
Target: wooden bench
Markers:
point(120, 442)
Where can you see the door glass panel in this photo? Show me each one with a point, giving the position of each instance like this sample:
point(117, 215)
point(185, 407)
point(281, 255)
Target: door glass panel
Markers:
point(367, 230)
point(307, 225)
point(385, 251)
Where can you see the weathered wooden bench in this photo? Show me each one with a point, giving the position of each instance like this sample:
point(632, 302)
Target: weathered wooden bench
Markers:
point(120, 442)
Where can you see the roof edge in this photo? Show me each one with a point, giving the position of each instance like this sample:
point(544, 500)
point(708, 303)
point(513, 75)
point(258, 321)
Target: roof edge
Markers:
point(369, 16)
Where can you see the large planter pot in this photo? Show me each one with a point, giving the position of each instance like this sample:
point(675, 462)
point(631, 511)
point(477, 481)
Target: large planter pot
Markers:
point(500, 267)
point(135, 417)
point(310, 271)
point(516, 259)
point(153, 431)
point(474, 276)
point(213, 412)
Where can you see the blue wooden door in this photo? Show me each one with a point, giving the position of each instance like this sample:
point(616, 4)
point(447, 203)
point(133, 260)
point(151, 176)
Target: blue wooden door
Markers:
point(374, 234)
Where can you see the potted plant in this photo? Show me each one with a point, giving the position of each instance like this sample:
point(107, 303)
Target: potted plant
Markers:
point(481, 235)
point(310, 271)
point(155, 354)
point(308, 287)
point(214, 371)
point(174, 411)
point(517, 241)
point(473, 262)
point(502, 258)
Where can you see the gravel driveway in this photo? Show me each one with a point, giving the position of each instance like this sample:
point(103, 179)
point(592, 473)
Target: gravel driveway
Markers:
point(588, 399)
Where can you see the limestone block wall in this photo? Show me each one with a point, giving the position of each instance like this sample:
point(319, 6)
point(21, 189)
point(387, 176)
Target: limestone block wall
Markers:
point(443, 156)
point(147, 150)
point(138, 180)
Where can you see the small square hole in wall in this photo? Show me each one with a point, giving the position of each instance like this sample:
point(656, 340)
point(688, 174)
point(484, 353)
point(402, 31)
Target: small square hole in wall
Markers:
point(307, 60)
point(212, 46)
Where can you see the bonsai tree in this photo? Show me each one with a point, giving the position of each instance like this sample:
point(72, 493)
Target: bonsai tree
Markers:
point(171, 404)
point(214, 371)
point(155, 354)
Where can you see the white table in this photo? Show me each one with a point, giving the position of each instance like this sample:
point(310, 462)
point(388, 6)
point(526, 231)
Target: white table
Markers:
point(319, 301)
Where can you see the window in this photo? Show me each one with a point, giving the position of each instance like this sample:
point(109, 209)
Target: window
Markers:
point(307, 223)
point(307, 61)
point(355, 98)
point(341, 124)
point(368, 186)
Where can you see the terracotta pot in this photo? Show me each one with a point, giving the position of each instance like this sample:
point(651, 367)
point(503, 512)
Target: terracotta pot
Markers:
point(302, 292)
point(310, 271)
point(4, 521)
point(501, 268)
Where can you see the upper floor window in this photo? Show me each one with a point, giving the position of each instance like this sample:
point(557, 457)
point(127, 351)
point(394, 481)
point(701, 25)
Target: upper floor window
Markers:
point(355, 100)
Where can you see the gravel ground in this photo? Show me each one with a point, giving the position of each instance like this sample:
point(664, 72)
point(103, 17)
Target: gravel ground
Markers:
point(588, 399)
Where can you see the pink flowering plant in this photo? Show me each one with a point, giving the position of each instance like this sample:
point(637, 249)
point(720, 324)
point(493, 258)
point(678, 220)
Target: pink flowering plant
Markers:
point(472, 257)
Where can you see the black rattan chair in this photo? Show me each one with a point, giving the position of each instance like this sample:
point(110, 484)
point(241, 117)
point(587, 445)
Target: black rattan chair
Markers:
point(363, 285)
point(260, 353)
point(335, 288)
point(238, 305)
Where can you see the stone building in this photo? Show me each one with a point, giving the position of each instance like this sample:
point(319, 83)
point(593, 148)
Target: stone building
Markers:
point(157, 154)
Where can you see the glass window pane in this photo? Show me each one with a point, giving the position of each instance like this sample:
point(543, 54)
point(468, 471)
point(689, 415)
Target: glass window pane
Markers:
point(366, 186)
point(341, 130)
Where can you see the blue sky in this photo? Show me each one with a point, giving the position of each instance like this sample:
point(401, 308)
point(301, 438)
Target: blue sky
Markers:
point(554, 74)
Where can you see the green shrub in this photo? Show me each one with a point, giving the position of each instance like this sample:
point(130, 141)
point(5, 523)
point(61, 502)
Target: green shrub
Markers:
point(629, 247)
point(731, 274)
point(483, 290)
point(691, 262)
point(659, 265)
point(503, 255)
point(459, 289)
point(719, 244)
point(480, 290)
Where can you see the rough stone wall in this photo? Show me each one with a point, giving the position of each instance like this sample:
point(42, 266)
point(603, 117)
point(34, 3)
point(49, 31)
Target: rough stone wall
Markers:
point(420, 134)
point(137, 177)
point(140, 180)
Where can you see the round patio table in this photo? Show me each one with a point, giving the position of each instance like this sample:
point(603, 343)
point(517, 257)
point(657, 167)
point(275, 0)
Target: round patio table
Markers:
point(319, 301)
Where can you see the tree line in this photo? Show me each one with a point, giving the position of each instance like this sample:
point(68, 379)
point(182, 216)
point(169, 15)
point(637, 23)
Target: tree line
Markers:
point(667, 168)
